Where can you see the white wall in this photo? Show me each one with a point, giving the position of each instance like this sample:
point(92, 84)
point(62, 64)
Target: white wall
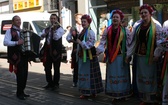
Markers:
point(66, 17)
point(4, 7)
point(83, 6)
point(69, 12)
point(71, 6)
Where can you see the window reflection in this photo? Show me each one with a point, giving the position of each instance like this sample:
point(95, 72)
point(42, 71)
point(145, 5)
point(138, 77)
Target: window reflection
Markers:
point(40, 25)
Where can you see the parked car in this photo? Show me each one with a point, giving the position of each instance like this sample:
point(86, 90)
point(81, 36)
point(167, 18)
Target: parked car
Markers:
point(36, 23)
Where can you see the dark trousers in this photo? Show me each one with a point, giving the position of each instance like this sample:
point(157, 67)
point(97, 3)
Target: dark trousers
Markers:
point(75, 73)
point(134, 83)
point(22, 73)
point(74, 65)
point(53, 81)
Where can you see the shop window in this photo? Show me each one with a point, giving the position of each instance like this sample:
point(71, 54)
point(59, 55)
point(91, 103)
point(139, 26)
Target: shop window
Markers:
point(27, 25)
point(98, 12)
point(6, 24)
point(54, 4)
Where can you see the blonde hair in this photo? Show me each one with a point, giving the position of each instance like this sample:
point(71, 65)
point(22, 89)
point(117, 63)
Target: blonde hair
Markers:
point(77, 14)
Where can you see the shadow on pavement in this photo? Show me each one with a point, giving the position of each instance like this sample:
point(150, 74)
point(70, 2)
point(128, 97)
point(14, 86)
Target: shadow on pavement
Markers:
point(65, 94)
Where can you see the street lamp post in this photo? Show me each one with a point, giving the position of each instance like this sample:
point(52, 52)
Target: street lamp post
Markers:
point(140, 2)
point(59, 13)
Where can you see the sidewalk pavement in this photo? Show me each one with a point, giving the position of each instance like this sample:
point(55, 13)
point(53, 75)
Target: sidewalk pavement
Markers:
point(65, 95)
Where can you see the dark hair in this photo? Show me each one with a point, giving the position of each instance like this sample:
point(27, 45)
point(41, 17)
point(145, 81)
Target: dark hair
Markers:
point(68, 27)
point(73, 29)
point(14, 17)
point(55, 16)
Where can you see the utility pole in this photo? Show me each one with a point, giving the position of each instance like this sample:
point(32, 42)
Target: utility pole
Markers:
point(59, 11)
point(140, 2)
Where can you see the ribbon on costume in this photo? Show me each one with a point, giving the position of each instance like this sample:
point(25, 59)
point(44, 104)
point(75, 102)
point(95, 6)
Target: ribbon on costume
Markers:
point(84, 50)
point(151, 41)
point(12, 68)
point(113, 50)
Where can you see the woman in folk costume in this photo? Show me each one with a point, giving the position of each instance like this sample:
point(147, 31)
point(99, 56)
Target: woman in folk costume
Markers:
point(143, 43)
point(117, 71)
point(161, 49)
point(89, 75)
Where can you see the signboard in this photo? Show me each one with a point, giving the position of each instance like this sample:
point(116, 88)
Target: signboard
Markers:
point(31, 3)
point(150, 2)
point(37, 2)
point(26, 4)
point(131, 3)
point(15, 6)
point(162, 1)
point(20, 5)
point(6, 27)
point(123, 4)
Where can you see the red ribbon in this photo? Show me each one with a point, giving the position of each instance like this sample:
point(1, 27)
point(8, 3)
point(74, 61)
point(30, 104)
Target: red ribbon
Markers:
point(12, 68)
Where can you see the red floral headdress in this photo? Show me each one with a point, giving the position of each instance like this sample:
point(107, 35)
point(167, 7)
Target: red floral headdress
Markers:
point(87, 17)
point(149, 8)
point(118, 12)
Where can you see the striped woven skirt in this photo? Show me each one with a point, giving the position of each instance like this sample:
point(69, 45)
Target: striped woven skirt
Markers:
point(146, 78)
point(89, 77)
point(118, 84)
point(165, 88)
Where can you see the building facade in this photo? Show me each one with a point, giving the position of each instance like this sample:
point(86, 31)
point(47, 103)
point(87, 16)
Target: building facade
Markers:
point(99, 10)
point(132, 7)
point(5, 6)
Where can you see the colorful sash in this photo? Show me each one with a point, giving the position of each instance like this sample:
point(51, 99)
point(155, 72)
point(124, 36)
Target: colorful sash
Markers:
point(84, 50)
point(150, 42)
point(163, 74)
point(13, 52)
point(120, 38)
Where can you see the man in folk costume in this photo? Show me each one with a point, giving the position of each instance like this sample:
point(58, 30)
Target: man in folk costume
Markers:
point(89, 75)
point(142, 44)
point(17, 59)
point(113, 43)
point(162, 50)
point(51, 53)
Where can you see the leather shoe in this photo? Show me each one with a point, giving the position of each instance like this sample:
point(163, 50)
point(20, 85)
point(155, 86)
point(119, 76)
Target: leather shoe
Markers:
point(83, 97)
point(74, 85)
point(47, 86)
point(26, 95)
point(55, 87)
point(21, 97)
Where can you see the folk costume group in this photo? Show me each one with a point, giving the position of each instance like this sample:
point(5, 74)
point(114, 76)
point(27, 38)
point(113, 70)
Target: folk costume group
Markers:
point(146, 43)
